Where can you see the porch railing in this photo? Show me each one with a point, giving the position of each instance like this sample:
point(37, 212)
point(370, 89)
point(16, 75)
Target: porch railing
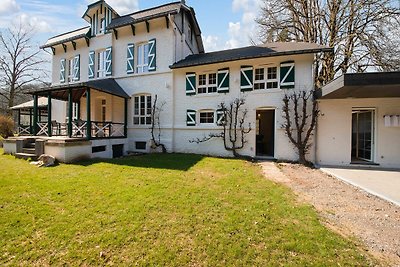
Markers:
point(98, 129)
point(24, 129)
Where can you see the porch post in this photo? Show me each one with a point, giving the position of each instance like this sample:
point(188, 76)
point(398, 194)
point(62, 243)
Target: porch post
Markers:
point(126, 118)
point(70, 113)
point(35, 114)
point(88, 119)
point(19, 119)
point(49, 126)
point(30, 121)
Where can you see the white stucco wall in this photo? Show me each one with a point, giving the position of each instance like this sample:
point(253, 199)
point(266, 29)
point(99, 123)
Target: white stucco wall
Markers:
point(334, 131)
point(258, 99)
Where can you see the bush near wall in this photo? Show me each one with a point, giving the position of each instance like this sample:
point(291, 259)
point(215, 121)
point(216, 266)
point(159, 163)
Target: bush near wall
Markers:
point(6, 126)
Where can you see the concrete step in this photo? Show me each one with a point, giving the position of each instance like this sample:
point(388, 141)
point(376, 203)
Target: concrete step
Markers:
point(29, 145)
point(29, 150)
point(26, 156)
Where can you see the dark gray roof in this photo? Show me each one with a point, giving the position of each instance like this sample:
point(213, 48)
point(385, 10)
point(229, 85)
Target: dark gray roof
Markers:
point(363, 85)
point(266, 50)
point(109, 86)
point(147, 14)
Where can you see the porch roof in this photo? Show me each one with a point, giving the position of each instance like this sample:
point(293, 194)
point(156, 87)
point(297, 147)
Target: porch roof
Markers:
point(363, 85)
point(42, 102)
point(109, 86)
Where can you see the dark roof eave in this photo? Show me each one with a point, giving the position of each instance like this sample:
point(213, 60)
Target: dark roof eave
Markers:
point(81, 85)
point(276, 54)
point(65, 41)
point(133, 21)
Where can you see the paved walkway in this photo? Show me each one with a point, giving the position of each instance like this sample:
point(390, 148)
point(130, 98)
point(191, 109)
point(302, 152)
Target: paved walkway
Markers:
point(384, 184)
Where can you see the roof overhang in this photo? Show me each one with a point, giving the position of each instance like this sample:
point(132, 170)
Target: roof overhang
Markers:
point(363, 85)
point(109, 86)
point(68, 37)
point(250, 52)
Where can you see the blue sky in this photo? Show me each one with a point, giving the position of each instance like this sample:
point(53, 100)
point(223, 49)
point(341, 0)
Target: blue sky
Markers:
point(224, 23)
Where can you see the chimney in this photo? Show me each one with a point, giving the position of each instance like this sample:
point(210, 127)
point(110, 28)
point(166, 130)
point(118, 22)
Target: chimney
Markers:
point(183, 2)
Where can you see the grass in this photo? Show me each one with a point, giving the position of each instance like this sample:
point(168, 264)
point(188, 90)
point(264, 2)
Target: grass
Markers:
point(159, 210)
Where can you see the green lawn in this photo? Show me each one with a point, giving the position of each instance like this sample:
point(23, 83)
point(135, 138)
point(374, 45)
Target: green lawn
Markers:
point(159, 210)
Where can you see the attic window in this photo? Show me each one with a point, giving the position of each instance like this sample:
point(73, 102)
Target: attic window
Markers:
point(190, 34)
point(102, 25)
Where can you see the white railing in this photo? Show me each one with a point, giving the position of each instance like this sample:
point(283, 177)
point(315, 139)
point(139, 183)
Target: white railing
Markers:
point(43, 128)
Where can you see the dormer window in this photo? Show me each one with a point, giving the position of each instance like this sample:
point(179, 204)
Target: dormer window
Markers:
point(102, 25)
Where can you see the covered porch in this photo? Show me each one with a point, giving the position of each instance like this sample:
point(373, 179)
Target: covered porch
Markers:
point(92, 110)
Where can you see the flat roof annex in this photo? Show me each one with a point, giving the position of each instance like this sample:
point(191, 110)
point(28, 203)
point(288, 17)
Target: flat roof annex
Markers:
point(363, 85)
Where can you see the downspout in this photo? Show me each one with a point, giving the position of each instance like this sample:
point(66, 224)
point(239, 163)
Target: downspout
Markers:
point(173, 86)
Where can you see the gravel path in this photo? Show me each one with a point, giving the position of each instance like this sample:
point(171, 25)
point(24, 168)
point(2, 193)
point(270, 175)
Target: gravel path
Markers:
point(348, 210)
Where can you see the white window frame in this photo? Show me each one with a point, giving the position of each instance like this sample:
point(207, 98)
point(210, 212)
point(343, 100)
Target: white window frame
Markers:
point(101, 64)
point(264, 83)
point(142, 65)
point(207, 88)
point(70, 69)
point(102, 23)
point(142, 111)
point(207, 111)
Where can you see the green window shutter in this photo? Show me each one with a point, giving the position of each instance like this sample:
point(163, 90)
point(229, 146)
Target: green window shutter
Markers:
point(77, 68)
point(91, 65)
point(287, 75)
point(190, 117)
point(130, 60)
point(190, 83)
point(223, 80)
point(152, 55)
point(109, 61)
point(220, 117)
point(246, 78)
point(62, 70)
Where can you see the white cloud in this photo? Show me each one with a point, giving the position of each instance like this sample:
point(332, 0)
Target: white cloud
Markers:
point(38, 24)
point(242, 32)
point(121, 6)
point(8, 7)
point(211, 43)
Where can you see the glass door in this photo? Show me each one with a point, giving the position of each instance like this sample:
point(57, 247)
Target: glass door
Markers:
point(362, 135)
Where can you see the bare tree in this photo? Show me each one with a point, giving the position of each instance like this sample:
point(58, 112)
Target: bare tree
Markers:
point(361, 31)
point(300, 114)
point(232, 117)
point(20, 62)
point(155, 129)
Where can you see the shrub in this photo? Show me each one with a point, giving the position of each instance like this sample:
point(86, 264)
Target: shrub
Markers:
point(6, 126)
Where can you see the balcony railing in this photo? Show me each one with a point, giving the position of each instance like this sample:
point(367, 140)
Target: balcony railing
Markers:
point(98, 129)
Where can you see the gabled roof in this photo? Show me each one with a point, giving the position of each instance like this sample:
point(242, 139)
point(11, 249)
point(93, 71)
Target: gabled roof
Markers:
point(146, 14)
point(95, 4)
point(363, 85)
point(250, 52)
point(68, 37)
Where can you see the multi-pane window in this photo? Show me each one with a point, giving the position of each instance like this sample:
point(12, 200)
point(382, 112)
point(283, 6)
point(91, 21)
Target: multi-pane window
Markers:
point(206, 116)
point(266, 78)
point(102, 25)
point(143, 58)
point(70, 69)
point(103, 109)
point(101, 64)
point(142, 110)
point(207, 83)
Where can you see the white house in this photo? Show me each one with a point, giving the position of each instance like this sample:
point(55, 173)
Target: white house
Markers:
point(110, 71)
